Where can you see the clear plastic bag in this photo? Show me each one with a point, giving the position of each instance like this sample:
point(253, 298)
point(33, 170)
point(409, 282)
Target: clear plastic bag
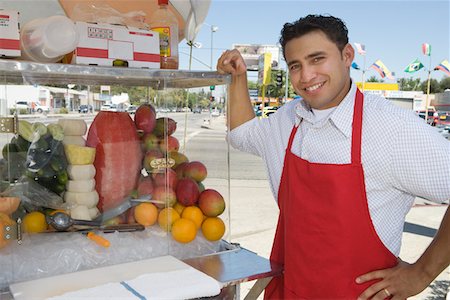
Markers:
point(103, 13)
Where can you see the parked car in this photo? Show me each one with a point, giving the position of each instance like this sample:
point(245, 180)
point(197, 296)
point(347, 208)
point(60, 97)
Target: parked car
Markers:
point(22, 105)
point(106, 107)
point(132, 109)
point(84, 108)
point(215, 112)
point(37, 107)
point(432, 118)
point(197, 110)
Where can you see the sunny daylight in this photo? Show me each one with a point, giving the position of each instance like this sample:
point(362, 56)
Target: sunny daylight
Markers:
point(224, 149)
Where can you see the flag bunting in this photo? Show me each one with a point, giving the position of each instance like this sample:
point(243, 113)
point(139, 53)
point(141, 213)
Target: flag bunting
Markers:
point(426, 49)
point(444, 66)
point(415, 66)
point(360, 48)
point(382, 69)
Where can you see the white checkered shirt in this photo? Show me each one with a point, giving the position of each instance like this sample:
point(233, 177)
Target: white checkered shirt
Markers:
point(402, 156)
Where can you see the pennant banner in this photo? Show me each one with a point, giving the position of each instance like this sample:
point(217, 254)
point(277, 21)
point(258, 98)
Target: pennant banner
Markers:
point(360, 48)
point(426, 49)
point(444, 66)
point(382, 69)
point(414, 66)
point(355, 66)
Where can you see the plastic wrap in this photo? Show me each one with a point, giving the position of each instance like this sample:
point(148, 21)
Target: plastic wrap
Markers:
point(43, 255)
point(103, 13)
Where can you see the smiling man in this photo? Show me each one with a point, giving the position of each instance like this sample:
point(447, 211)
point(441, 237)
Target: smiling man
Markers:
point(343, 173)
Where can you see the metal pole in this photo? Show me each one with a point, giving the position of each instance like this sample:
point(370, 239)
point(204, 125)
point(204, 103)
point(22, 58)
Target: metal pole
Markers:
point(427, 103)
point(212, 34)
point(286, 85)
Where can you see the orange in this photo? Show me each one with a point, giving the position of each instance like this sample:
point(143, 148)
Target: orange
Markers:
point(213, 229)
point(166, 218)
point(193, 213)
point(146, 214)
point(34, 222)
point(179, 207)
point(4, 220)
point(184, 230)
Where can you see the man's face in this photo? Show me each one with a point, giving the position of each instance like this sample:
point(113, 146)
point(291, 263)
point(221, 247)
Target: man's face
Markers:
point(319, 72)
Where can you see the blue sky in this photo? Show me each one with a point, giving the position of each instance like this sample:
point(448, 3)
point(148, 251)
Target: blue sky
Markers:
point(392, 31)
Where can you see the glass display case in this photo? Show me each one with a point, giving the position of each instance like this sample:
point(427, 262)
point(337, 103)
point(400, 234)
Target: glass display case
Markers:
point(123, 167)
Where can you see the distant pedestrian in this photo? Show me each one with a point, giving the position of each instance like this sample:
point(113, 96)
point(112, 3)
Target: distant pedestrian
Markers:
point(345, 169)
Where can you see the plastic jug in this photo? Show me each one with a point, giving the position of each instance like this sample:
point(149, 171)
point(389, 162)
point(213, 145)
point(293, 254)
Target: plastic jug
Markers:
point(48, 40)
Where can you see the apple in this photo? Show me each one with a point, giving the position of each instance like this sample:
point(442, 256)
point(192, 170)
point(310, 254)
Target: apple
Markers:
point(150, 141)
point(179, 169)
point(187, 191)
point(150, 157)
point(145, 118)
point(164, 127)
point(211, 203)
point(169, 144)
point(167, 178)
point(167, 195)
point(195, 170)
point(178, 157)
point(145, 187)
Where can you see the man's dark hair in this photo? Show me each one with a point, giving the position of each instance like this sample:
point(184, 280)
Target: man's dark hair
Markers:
point(334, 28)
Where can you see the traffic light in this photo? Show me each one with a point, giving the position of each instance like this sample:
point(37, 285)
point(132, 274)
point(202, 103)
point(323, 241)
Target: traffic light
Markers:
point(279, 79)
point(212, 87)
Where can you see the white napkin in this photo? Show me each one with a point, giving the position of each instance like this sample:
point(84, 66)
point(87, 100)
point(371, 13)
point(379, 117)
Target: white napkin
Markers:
point(180, 284)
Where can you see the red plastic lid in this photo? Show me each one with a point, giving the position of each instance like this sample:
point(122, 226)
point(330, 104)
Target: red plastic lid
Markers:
point(163, 2)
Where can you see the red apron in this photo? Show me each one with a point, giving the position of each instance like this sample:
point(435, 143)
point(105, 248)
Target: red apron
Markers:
point(325, 237)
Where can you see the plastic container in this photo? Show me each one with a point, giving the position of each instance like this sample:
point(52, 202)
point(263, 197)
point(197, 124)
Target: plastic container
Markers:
point(166, 23)
point(48, 40)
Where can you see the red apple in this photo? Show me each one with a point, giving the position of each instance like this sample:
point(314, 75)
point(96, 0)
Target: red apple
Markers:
point(145, 187)
point(167, 178)
point(169, 144)
point(167, 195)
point(195, 170)
point(187, 191)
point(179, 169)
point(164, 127)
point(145, 118)
point(150, 141)
point(211, 203)
point(150, 157)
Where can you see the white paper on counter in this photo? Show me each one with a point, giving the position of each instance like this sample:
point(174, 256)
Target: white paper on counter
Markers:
point(157, 278)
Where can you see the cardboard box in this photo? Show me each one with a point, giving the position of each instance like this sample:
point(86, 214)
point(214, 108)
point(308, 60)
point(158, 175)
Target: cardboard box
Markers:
point(9, 33)
point(101, 44)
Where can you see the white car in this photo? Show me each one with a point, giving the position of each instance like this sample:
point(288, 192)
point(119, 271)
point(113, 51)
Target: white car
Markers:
point(40, 108)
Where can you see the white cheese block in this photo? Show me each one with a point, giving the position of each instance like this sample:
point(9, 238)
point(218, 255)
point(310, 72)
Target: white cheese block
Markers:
point(80, 212)
point(73, 126)
point(80, 186)
point(89, 199)
point(81, 172)
point(74, 140)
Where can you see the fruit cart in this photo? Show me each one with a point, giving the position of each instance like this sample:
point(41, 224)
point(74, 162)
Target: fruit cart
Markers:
point(109, 191)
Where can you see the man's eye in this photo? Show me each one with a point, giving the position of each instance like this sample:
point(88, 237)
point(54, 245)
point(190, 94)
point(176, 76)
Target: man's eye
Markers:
point(317, 59)
point(294, 67)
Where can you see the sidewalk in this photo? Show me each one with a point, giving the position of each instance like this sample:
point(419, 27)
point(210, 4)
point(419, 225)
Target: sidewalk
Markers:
point(254, 216)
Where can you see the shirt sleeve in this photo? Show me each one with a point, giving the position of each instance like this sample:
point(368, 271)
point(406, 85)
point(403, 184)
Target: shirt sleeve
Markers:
point(250, 136)
point(420, 162)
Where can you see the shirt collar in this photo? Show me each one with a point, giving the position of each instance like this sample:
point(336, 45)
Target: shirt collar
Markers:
point(341, 117)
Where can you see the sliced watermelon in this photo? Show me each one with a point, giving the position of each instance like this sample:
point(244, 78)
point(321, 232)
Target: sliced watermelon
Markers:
point(118, 157)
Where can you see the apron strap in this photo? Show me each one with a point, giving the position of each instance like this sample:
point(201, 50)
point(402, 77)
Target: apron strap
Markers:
point(357, 127)
point(291, 137)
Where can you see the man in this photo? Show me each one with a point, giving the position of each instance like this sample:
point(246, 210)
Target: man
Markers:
point(345, 169)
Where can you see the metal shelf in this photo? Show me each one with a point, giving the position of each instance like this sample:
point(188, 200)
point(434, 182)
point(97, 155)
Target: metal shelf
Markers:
point(19, 72)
